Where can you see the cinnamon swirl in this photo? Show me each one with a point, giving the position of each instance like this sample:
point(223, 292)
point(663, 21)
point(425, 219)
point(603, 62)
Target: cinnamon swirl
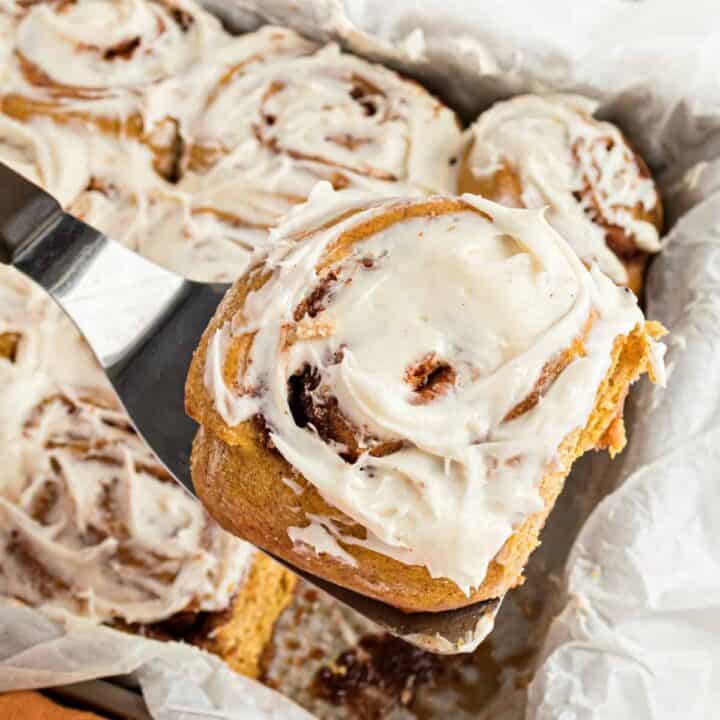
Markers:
point(90, 522)
point(89, 62)
point(393, 398)
point(287, 113)
point(548, 150)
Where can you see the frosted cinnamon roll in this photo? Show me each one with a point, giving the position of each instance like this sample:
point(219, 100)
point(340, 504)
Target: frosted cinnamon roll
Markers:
point(90, 522)
point(202, 233)
point(393, 398)
point(303, 111)
point(548, 150)
point(89, 61)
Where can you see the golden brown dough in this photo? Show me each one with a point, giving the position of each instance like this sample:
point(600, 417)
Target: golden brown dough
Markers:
point(28, 705)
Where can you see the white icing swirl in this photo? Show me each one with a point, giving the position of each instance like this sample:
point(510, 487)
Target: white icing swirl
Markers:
point(577, 166)
point(488, 302)
point(106, 44)
point(284, 97)
point(89, 521)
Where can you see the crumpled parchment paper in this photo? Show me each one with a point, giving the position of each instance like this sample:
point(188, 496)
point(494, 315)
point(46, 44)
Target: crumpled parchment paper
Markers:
point(179, 682)
point(637, 634)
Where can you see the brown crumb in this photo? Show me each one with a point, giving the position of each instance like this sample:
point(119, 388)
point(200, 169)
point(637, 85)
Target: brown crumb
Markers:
point(382, 672)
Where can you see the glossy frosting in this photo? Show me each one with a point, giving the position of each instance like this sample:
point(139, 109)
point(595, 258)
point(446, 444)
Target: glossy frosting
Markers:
point(486, 295)
point(45, 155)
point(317, 109)
point(89, 521)
point(99, 97)
point(575, 165)
point(244, 126)
point(111, 44)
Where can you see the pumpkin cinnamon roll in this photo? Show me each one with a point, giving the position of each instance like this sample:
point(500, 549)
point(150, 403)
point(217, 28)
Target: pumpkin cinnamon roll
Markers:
point(303, 113)
point(90, 61)
point(91, 523)
point(548, 150)
point(393, 398)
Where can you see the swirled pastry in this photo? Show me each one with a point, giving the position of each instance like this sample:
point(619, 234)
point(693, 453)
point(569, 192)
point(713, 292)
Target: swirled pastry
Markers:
point(90, 62)
point(91, 523)
point(548, 150)
point(191, 144)
point(392, 399)
point(318, 113)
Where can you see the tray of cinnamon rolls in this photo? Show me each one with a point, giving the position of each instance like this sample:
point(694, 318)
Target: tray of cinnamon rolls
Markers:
point(432, 315)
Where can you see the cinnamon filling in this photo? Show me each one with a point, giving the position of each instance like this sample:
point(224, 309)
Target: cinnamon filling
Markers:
point(364, 92)
point(43, 581)
point(309, 405)
point(45, 501)
point(9, 343)
point(312, 405)
point(430, 378)
point(70, 435)
point(550, 372)
point(183, 18)
point(617, 238)
point(314, 303)
point(168, 154)
point(359, 91)
point(123, 50)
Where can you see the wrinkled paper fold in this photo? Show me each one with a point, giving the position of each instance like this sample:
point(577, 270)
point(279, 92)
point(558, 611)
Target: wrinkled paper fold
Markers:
point(637, 633)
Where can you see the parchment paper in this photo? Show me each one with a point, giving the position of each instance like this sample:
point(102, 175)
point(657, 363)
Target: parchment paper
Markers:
point(637, 634)
point(178, 681)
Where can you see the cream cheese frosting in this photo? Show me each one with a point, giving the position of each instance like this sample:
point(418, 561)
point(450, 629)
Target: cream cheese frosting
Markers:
point(88, 520)
point(486, 296)
point(90, 523)
point(282, 96)
point(102, 45)
point(581, 168)
point(203, 235)
point(244, 127)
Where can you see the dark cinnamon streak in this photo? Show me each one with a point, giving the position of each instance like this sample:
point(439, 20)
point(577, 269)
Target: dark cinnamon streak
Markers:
point(617, 238)
point(123, 50)
point(9, 343)
point(430, 378)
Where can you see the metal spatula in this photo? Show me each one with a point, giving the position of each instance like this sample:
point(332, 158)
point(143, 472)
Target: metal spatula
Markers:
point(143, 323)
